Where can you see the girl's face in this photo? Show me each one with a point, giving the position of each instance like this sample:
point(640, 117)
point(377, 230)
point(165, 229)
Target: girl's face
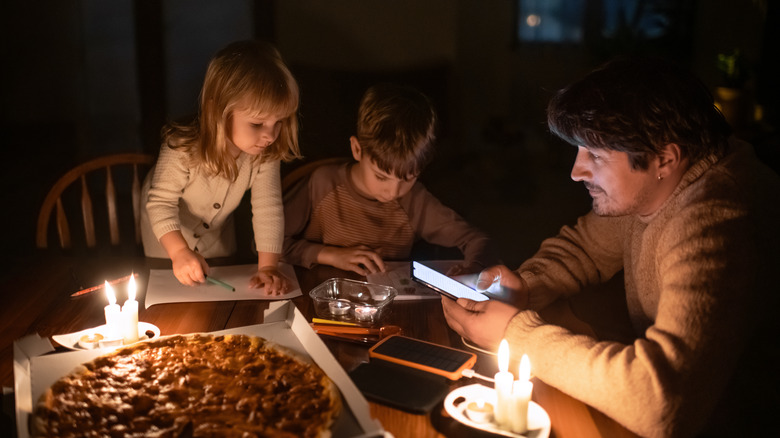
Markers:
point(252, 133)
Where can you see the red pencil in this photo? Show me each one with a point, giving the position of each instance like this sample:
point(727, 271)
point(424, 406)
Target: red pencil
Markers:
point(100, 286)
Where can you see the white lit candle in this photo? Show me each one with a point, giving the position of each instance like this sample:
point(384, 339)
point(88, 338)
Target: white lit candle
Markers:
point(521, 396)
point(503, 385)
point(365, 312)
point(113, 314)
point(339, 307)
point(130, 314)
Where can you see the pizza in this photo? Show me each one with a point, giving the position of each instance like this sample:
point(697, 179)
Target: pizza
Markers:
point(193, 385)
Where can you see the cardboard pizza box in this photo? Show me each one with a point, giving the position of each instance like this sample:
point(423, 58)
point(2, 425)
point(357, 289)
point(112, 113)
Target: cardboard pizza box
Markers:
point(35, 371)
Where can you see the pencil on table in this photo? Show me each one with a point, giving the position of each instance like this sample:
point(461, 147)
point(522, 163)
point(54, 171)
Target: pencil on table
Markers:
point(213, 280)
point(100, 286)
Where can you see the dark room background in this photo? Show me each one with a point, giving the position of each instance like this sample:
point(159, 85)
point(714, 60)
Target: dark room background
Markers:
point(84, 78)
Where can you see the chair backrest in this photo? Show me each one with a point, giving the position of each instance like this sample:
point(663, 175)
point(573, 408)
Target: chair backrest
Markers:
point(304, 170)
point(79, 173)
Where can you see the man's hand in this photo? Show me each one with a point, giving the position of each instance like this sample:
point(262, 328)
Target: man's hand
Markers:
point(485, 322)
point(359, 259)
point(189, 267)
point(482, 322)
point(464, 269)
point(275, 282)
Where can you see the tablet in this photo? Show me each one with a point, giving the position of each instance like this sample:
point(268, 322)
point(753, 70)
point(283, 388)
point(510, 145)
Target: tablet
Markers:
point(443, 284)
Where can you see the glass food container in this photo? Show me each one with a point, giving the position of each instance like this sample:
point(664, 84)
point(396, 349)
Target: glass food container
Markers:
point(348, 300)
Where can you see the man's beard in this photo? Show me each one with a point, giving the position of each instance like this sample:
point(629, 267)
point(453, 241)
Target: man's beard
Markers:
point(602, 207)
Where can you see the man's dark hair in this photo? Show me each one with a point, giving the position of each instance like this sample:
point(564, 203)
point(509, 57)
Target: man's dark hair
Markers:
point(638, 105)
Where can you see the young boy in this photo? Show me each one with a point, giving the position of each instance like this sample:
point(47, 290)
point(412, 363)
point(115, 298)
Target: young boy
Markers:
point(356, 215)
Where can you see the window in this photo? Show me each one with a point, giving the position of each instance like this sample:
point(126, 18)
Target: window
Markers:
point(619, 25)
point(550, 21)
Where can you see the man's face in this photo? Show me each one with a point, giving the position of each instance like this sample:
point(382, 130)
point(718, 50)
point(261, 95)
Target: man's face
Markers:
point(615, 187)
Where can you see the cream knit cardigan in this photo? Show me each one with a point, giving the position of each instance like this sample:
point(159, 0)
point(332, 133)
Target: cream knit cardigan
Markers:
point(179, 197)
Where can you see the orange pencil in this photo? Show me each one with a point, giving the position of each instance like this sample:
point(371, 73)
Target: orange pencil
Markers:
point(100, 286)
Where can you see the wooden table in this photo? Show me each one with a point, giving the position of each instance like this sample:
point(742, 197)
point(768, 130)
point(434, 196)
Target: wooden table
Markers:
point(36, 299)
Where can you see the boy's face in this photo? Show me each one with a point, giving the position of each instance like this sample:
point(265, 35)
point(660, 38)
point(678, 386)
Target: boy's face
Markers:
point(251, 133)
point(373, 181)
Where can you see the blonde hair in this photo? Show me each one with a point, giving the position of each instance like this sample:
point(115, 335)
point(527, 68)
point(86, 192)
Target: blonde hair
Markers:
point(396, 128)
point(247, 73)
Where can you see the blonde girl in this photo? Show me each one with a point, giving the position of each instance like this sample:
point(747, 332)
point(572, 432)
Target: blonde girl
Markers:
point(246, 125)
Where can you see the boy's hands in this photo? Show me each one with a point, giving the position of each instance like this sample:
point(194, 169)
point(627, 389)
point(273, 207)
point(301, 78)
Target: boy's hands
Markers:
point(275, 282)
point(189, 267)
point(359, 259)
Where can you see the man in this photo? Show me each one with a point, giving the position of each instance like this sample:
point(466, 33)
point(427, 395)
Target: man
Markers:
point(690, 217)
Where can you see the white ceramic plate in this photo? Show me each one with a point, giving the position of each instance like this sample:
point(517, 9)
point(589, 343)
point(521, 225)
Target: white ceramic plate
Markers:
point(538, 420)
point(71, 340)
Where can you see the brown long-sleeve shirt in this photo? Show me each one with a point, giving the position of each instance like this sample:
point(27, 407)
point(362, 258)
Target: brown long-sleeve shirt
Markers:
point(326, 209)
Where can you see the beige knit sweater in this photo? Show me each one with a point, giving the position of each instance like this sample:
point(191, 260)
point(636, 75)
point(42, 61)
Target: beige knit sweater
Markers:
point(701, 295)
point(180, 197)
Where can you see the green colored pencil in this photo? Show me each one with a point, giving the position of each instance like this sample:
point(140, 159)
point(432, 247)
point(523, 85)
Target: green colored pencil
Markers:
point(220, 283)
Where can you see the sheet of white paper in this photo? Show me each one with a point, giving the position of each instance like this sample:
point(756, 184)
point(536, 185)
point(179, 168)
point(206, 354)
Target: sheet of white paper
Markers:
point(165, 288)
point(398, 275)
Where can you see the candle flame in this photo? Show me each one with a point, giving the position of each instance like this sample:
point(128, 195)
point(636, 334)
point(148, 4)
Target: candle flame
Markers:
point(503, 356)
point(480, 403)
point(524, 373)
point(110, 293)
point(131, 288)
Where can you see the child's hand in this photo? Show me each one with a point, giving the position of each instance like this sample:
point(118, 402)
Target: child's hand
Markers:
point(269, 276)
point(189, 267)
point(358, 259)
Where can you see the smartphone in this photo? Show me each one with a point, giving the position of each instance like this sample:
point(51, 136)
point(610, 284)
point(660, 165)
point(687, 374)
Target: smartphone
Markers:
point(427, 356)
point(443, 284)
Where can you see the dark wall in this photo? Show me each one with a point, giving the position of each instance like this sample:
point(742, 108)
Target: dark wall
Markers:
point(83, 78)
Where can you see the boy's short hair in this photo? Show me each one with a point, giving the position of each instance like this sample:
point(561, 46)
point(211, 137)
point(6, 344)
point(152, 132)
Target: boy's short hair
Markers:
point(396, 129)
point(638, 105)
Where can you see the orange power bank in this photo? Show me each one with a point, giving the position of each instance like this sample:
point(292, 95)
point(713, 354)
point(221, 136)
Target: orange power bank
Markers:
point(423, 355)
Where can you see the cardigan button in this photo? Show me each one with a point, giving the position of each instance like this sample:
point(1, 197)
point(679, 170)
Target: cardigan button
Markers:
point(216, 205)
point(206, 226)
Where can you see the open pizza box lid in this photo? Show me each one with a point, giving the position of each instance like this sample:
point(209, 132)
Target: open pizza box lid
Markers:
point(35, 371)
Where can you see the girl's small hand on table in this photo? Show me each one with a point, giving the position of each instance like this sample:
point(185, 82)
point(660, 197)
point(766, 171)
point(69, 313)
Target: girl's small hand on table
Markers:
point(189, 267)
point(275, 282)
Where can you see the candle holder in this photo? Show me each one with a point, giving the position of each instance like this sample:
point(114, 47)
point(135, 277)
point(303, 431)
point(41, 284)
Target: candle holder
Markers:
point(479, 411)
point(90, 341)
point(95, 337)
point(457, 405)
point(111, 342)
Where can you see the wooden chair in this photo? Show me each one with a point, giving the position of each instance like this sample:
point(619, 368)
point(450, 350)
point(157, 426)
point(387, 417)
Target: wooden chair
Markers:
point(304, 170)
point(81, 172)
